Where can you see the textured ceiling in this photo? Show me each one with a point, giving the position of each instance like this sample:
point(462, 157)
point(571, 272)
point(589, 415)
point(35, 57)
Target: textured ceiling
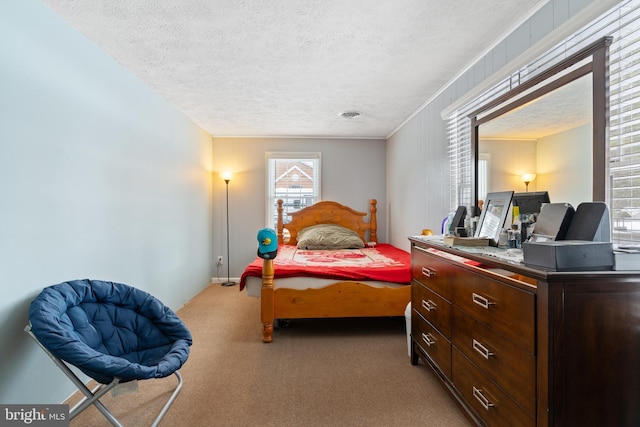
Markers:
point(565, 108)
point(290, 67)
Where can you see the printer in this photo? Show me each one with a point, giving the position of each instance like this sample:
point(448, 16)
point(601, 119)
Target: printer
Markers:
point(565, 239)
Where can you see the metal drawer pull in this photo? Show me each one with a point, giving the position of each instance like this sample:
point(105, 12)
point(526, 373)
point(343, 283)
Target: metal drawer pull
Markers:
point(428, 339)
point(429, 305)
point(486, 404)
point(427, 272)
point(481, 301)
point(484, 351)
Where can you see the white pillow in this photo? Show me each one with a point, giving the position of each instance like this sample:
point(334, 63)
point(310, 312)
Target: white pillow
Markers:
point(328, 236)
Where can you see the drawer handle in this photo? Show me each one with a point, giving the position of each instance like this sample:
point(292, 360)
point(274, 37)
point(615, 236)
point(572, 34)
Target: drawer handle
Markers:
point(428, 339)
point(486, 404)
point(427, 272)
point(484, 351)
point(481, 301)
point(429, 305)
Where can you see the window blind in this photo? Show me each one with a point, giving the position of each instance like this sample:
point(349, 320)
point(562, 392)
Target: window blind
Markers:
point(459, 131)
point(623, 23)
point(624, 143)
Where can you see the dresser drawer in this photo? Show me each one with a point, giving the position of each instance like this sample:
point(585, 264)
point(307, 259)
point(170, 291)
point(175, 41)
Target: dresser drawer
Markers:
point(432, 342)
point(509, 366)
point(487, 399)
point(509, 311)
point(432, 307)
point(434, 273)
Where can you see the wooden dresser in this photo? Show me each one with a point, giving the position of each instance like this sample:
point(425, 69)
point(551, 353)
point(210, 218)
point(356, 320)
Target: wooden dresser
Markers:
point(517, 346)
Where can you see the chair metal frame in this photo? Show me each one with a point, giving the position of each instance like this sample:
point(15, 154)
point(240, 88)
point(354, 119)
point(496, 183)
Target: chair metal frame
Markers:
point(92, 397)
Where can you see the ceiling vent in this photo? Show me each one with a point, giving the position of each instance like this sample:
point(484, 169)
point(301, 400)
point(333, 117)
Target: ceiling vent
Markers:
point(350, 114)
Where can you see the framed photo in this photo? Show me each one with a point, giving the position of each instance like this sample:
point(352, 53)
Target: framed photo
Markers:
point(493, 216)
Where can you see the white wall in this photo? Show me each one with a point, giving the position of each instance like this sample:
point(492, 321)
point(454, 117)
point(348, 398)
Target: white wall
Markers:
point(565, 162)
point(562, 163)
point(417, 162)
point(509, 159)
point(353, 172)
point(99, 178)
point(418, 176)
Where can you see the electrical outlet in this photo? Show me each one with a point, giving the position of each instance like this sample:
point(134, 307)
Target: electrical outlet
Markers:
point(220, 260)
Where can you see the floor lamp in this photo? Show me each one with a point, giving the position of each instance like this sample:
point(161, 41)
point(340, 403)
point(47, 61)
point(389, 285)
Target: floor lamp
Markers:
point(227, 177)
point(527, 178)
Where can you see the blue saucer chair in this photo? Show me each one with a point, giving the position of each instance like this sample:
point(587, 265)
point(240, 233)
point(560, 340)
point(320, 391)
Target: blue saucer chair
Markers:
point(112, 332)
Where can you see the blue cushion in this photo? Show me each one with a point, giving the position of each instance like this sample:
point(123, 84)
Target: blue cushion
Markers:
point(110, 330)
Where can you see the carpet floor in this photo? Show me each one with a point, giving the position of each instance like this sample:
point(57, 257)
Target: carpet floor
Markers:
point(316, 372)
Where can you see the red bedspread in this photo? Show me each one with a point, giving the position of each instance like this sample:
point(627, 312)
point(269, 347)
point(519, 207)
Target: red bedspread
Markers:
point(384, 263)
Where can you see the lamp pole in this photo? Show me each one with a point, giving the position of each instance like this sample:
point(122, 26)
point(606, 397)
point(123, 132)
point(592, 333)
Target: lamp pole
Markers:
point(228, 282)
point(527, 178)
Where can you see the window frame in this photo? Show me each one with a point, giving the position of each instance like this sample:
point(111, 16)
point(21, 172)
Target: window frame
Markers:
point(271, 192)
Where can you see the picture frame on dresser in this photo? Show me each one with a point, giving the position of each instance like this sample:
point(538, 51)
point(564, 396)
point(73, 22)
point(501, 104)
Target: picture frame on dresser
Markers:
point(494, 215)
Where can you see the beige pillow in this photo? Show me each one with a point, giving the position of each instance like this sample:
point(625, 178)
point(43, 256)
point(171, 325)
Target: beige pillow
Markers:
point(328, 236)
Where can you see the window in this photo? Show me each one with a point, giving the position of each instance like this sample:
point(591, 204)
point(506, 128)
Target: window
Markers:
point(483, 175)
point(624, 148)
point(294, 178)
point(458, 132)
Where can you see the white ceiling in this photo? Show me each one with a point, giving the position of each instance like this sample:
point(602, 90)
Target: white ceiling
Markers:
point(565, 108)
point(290, 67)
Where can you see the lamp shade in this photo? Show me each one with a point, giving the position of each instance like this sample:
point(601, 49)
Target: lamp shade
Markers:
point(528, 177)
point(226, 176)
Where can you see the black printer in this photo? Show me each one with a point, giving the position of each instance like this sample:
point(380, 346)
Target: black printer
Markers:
point(565, 239)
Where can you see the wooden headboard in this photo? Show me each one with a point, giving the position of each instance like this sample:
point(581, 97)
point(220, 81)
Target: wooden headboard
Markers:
point(329, 213)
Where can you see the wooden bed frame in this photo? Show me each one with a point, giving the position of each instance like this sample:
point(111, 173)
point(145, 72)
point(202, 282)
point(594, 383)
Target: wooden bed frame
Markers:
point(341, 299)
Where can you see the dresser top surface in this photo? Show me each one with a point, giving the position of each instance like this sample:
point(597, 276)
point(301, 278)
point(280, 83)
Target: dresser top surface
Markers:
point(490, 258)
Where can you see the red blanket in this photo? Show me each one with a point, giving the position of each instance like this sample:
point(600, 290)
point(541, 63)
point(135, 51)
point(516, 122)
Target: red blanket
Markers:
point(384, 263)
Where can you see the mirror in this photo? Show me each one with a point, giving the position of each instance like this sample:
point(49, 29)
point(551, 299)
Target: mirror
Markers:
point(553, 126)
point(549, 137)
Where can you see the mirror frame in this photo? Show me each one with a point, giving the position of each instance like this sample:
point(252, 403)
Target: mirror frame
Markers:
point(599, 68)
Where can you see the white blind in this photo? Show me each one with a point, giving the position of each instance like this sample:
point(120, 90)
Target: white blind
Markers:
point(624, 153)
point(459, 133)
point(623, 23)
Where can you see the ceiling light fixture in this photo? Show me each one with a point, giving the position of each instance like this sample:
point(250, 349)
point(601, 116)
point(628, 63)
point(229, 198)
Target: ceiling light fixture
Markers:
point(350, 114)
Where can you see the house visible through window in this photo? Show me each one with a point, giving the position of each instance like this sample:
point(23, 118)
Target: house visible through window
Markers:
point(294, 178)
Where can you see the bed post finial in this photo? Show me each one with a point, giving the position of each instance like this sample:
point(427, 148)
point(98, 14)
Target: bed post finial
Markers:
point(373, 221)
point(280, 223)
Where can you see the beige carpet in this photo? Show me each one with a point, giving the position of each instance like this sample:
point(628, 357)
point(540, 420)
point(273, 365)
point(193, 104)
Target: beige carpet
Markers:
point(329, 372)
